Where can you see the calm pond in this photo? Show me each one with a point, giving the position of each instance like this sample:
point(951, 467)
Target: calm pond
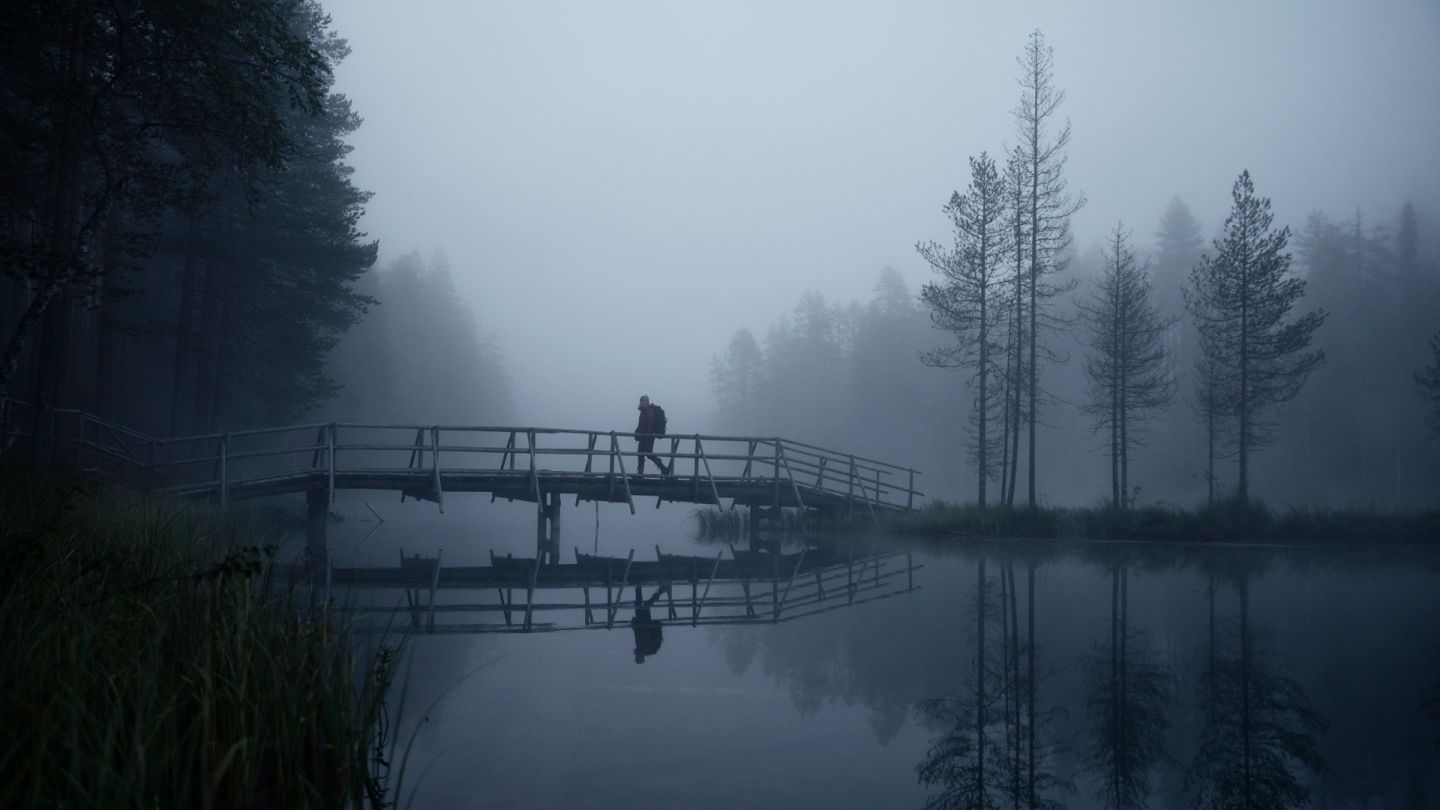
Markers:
point(1159, 672)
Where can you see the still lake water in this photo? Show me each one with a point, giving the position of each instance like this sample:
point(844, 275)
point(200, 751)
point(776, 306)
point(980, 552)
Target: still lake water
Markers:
point(1326, 660)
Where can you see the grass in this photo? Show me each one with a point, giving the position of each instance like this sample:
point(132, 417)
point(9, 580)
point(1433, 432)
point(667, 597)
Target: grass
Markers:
point(1226, 521)
point(153, 659)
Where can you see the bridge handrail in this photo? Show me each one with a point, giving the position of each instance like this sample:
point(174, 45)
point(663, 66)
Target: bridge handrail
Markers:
point(817, 468)
point(815, 450)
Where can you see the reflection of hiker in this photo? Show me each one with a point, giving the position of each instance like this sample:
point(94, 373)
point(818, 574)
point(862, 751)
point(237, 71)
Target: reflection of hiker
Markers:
point(652, 422)
point(648, 632)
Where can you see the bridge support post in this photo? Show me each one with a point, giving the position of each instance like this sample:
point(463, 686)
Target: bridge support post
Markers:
point(317, 513)
point(547, 529)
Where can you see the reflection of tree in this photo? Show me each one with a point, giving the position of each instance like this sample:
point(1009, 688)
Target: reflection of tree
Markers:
point(966, 761)
point(987, 754)
point(1129, 697)
point(1257, 727)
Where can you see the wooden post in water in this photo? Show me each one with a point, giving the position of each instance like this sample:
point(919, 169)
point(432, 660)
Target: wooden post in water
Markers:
point(317, 511)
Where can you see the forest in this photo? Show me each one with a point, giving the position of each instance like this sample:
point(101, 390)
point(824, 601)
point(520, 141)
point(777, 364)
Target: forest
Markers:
point(181, 232)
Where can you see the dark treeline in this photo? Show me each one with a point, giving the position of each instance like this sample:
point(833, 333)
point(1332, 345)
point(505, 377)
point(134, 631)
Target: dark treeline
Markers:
point(179, 228)
point(1295, 367)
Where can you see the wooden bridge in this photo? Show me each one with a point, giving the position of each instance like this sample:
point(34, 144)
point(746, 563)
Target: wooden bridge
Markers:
point(431, 462)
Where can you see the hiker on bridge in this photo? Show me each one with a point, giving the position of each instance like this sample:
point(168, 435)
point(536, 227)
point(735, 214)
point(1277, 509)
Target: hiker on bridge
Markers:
point(648, 632)
point(652, 424)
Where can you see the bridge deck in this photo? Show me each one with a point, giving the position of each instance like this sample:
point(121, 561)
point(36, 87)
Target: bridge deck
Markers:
point(519, 486)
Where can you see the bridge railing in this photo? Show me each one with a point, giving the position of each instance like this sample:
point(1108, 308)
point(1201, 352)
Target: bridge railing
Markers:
point(222, 462)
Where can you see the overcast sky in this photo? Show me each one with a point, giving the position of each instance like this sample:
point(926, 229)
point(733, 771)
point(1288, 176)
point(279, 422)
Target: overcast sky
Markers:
point(619, 186)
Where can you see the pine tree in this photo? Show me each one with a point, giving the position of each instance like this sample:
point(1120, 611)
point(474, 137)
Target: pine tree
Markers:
point(1129, 369)
point(735, 380)
point(1041, 158)
point(1240, 300)
point(132, 107)
point(967, 302)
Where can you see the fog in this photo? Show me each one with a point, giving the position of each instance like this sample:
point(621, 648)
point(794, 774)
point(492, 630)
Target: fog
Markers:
point(618, 187)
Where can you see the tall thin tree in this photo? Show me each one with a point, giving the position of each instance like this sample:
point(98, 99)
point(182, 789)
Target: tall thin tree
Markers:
point(1129, 369)
point(966, 302)
point(1041, 155)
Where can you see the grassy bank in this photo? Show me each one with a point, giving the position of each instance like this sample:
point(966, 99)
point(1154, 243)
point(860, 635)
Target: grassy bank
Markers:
point(1220, 522)
point(152, 659)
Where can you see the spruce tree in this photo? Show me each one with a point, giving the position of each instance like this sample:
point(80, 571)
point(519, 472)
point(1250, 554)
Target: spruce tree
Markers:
point(1129, 368)
point(1241, 299)
point(967, 301)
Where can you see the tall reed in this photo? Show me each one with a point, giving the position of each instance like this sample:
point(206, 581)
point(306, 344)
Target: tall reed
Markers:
point(153, 658)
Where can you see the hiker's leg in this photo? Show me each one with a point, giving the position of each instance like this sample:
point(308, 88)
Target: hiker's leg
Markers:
point(638, 603)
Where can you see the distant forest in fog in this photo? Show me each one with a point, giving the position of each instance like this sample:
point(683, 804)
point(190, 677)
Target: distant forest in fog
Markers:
point(182, 259)
point(850, 376)
point(1313, 375)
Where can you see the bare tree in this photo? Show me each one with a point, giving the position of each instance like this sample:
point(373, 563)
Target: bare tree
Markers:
point(1130, 371)
point(1240, 300)
point(1014, 379)
point(1040, 155)
point(966, 303)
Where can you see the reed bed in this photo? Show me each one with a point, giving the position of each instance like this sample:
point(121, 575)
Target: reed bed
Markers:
point(152, 658)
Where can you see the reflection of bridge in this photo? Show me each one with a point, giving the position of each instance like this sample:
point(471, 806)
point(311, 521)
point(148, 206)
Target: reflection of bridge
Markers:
point(539, 465)
point(745, 588)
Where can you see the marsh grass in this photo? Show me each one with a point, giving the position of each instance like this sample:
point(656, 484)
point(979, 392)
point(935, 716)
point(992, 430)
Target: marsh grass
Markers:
point(1224, 521)
point(152, 658)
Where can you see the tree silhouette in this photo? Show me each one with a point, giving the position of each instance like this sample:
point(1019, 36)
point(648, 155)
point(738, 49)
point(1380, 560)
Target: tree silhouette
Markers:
point(1240, 299)
point(967, 303)
point(735, 379)
point(132, 108)
point(1040, 157)
point(1128, 370)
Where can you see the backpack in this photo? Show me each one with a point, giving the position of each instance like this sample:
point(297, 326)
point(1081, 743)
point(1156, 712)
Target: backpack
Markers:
point(659, 424)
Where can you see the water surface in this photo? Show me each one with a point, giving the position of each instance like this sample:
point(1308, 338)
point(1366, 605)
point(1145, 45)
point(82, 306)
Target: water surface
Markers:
point(1153, 664)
